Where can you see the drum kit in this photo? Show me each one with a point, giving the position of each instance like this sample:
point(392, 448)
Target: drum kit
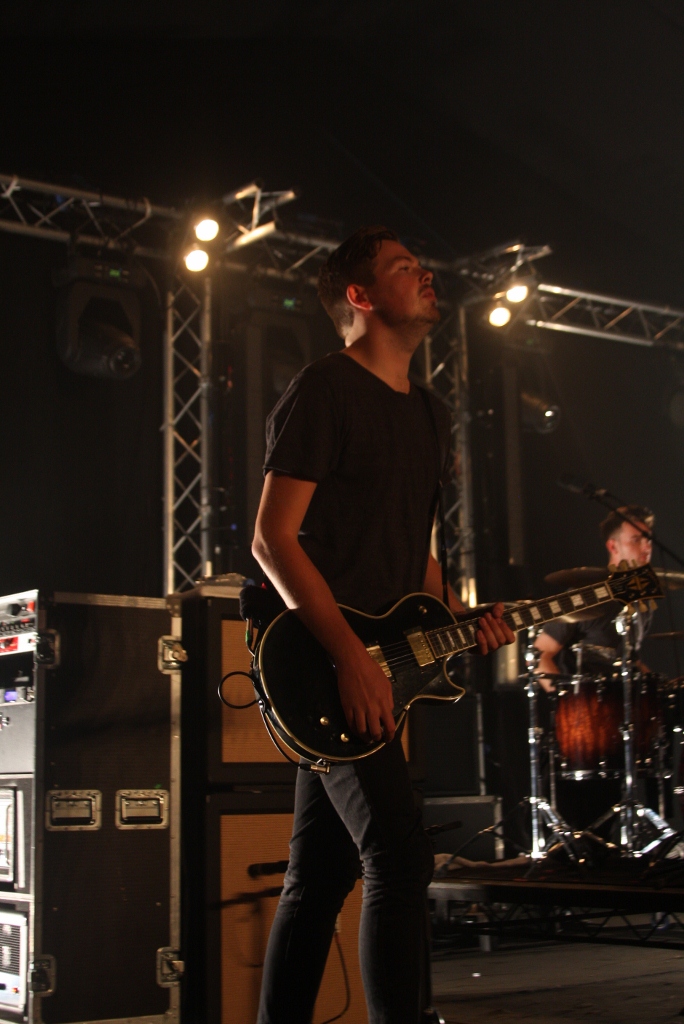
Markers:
point(610, 719)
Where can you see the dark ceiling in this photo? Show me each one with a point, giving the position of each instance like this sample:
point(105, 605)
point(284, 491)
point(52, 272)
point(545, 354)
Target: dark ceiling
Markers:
point(442, 108)
point(460, 124)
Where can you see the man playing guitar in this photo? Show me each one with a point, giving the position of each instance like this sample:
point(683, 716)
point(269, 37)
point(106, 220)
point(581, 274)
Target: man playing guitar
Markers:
point(354, 455)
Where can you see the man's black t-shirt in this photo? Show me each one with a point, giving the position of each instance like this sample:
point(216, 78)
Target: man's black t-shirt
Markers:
point(374, 455)
point(600, 632)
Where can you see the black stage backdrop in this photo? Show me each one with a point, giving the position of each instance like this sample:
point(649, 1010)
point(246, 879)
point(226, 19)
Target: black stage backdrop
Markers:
point(81, 505)
point(81, 499)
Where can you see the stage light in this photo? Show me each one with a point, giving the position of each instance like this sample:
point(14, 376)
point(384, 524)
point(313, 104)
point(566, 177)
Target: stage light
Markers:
point(196, 259)
point(517, 292)
point(255, 235)
point(499, 316)
point(98, 324)
point(538, 414)
point(206, 229)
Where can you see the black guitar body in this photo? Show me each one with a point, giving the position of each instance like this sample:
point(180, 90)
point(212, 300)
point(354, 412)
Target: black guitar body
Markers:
point(298, 685)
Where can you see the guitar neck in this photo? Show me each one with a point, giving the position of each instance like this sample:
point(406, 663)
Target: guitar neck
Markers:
point(461, 637)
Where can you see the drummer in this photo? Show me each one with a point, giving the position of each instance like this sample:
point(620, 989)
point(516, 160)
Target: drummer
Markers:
point(623, 542)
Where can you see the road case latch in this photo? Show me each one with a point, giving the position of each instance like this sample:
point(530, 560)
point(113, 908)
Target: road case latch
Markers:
point(42, 975)
point(171, 655)
point(47, 649)
point(170, 967)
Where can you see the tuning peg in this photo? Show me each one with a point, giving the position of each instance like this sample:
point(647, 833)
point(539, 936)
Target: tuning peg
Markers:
point(612, 568)
point(643, 607)
point(652, 604)
point(623, 566)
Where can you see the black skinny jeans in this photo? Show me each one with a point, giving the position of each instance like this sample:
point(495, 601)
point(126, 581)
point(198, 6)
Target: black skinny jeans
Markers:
point(365, 810)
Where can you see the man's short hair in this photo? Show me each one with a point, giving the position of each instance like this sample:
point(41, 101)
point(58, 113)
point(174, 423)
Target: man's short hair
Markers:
point(350, 263)
point(613, 522)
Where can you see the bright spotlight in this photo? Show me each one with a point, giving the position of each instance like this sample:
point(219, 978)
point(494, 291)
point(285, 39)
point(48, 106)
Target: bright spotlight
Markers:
point(517, 293)
point(499, 316)
point(207, 229)
point(196, 260)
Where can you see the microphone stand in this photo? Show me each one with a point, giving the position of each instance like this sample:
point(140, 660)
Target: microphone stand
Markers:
point(610, 501)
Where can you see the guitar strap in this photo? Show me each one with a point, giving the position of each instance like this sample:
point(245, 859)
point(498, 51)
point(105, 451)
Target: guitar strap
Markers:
point(440, 498)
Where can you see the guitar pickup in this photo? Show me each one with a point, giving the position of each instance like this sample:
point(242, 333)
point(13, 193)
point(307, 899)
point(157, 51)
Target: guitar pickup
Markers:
point(420, 647)
point(376, 654)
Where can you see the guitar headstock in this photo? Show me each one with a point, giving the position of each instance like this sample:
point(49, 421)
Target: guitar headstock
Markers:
point(633, 585)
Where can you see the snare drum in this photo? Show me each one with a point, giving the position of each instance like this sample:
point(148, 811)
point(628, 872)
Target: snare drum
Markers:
point(589, 715)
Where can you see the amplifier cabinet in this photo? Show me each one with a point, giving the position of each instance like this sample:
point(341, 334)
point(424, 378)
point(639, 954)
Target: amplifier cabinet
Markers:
point(452, 753)
point(90, 816)
point(476, 813)
point(231, 909)
point(222, 747)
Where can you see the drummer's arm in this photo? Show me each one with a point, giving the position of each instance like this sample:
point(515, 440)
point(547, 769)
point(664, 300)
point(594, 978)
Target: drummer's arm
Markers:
point(549, 648)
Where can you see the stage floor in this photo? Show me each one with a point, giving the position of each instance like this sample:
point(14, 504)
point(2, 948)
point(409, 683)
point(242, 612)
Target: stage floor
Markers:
point(561, 983)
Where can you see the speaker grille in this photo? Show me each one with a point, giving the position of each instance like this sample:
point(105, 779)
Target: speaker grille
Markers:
point(263, 838)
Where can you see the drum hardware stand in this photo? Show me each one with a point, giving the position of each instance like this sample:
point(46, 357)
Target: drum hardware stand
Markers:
point(542, 812)
point(631, 812)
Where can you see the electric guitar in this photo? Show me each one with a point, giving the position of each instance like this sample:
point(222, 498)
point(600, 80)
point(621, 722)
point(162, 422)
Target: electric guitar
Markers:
point(297, 686)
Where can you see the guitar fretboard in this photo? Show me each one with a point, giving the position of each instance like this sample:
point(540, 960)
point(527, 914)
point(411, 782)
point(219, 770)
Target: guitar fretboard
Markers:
point(453, 639)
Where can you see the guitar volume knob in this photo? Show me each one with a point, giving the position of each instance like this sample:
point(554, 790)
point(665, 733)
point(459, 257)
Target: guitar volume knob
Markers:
point(324, 721)
point(344, 737)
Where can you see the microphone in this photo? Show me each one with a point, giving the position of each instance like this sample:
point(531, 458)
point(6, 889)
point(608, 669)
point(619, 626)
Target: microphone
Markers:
point(570, 483)
point(276, 867)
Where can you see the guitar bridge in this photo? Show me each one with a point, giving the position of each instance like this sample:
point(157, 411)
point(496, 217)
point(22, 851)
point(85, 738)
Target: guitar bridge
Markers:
point(376, 654)
point(420, 647)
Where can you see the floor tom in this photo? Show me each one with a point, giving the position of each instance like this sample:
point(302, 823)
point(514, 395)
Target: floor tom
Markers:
point(588, 725)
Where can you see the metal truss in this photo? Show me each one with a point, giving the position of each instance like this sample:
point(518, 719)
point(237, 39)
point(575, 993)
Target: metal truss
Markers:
point(489, 273)
point(77, 217)
point(187, 440)
point(446, 372)
point(257, 244)
point(601, 316)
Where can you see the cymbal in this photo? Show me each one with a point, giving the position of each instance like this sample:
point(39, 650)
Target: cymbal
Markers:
point(569, 579)
point(584, 576)
point(676, 634)
point(671, 580)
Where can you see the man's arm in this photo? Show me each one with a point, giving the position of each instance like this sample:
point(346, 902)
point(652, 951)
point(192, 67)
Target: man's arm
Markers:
point(548, 648)
point(493, 632)
point(365, 690)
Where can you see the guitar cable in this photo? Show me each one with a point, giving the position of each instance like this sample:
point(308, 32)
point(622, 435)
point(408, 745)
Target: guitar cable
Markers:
point(224, 700)
point(241, 707)
point(345, 975)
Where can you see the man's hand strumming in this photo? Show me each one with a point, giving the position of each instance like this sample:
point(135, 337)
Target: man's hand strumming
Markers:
point(366, 695)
